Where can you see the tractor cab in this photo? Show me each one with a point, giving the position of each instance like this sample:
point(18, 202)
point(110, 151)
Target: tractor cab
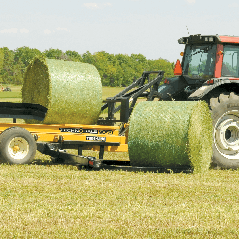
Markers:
point(206, 60)
point(199, 62)
point(210, 56)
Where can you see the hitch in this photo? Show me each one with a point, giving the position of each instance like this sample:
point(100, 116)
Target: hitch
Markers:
point(94, 163)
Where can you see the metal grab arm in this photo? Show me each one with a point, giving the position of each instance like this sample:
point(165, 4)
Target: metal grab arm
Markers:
point(128, 95)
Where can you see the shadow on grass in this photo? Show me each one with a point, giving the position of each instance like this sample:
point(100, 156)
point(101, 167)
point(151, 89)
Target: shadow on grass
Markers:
point(182, 169)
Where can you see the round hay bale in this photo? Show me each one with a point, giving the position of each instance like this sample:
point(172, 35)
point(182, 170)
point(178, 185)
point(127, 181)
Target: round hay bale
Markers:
point(171, 134)
point(72, 91)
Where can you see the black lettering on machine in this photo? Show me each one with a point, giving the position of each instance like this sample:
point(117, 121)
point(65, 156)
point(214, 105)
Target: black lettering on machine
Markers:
point(79, 130)
point(95, 138)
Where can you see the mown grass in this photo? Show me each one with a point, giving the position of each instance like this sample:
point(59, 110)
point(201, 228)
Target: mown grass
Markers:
point(59, 201)
point(110, 91)
point(43, 200)
point(11, 96)
point(15, 94)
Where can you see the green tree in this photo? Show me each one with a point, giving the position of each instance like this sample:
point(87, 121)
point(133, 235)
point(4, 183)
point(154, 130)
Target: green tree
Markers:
point(25, 55)
point(74, 56)
point(56, 54)
point(104, 62)
point(88, 58)
point(1, 62)
point(22, 58)
point(114, 70)
point(162, 65)
point(129, 71)
point(7, 68)
point(18, 73)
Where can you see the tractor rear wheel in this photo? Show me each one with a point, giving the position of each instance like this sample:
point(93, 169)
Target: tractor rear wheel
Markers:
point(17, 146)
point(225, 115)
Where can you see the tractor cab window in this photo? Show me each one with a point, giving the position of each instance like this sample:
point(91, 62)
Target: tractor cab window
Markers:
point(230, 61)
point(199, 61)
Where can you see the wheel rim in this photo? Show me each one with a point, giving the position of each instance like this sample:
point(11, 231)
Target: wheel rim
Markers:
point(18, 148)
point(226, 135)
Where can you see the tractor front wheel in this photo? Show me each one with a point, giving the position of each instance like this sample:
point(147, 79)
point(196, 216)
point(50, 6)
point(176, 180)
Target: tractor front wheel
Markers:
point(225, 115)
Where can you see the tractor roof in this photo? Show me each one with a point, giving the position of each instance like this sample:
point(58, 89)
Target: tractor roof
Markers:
point(199, 39)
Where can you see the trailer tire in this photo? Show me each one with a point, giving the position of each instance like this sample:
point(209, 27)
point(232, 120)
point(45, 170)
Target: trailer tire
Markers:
point(17, 146)
point(225, 116)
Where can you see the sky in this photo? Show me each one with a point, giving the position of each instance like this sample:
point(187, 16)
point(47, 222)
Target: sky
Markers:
point(148, 27)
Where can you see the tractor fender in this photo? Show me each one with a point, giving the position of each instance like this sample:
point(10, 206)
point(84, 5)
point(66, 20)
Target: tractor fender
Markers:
point(206, 88)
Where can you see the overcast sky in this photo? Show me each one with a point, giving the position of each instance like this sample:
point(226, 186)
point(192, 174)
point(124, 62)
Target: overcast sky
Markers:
point(149, 27)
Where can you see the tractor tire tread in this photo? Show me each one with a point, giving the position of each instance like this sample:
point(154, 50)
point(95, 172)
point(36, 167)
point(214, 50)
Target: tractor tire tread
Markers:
point(219, 105)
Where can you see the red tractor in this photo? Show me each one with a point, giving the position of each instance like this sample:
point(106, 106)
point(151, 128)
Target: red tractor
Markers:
point(210, 72)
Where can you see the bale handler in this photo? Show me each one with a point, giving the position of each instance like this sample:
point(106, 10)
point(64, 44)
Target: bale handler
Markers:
point(19, 142)
point(209, 71)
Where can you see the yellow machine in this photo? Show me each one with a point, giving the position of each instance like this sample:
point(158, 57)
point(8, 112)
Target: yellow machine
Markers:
point(82, 137)
point(19, 142)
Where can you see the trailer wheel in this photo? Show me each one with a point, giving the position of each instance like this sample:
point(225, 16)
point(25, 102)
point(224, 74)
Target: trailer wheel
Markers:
point(17, 146)
point(225, 115)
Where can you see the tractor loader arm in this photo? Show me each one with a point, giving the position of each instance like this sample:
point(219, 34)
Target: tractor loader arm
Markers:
point(128, 97)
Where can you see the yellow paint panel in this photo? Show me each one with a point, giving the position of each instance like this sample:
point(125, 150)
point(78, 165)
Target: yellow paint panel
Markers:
point(52, 133)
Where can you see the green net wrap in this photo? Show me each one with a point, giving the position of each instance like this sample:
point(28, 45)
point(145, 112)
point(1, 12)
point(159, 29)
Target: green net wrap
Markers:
point(171, 133)
point(72, 91)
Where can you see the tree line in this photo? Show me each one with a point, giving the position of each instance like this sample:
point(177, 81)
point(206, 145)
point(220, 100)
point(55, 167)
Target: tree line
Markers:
point(114, 69)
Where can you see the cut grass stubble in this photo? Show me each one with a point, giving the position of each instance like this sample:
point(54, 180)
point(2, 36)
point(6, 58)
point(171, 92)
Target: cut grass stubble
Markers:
point(43, 201)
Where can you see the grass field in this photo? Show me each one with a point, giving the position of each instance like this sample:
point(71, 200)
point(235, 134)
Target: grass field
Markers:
point(43, 200)
point(49, 201)
point(12, 96)
point(15, 94)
